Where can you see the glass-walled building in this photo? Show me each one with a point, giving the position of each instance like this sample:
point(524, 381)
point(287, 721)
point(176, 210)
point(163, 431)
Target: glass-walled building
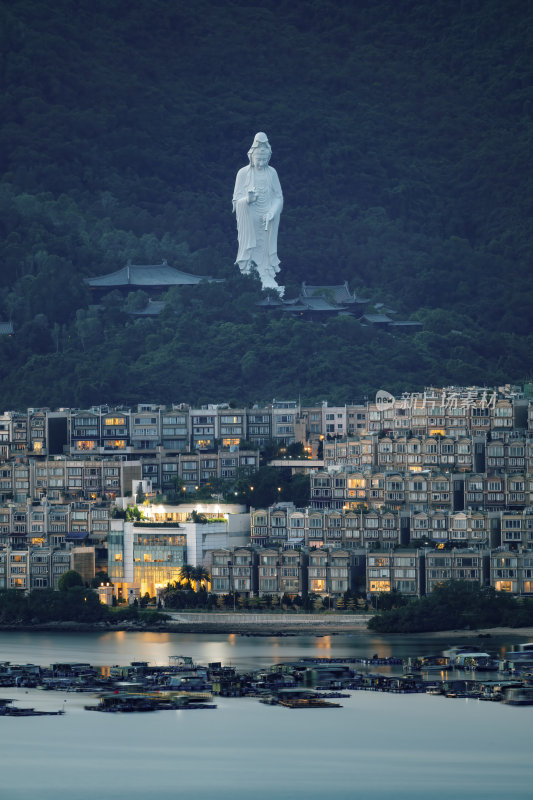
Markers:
point(144, 558)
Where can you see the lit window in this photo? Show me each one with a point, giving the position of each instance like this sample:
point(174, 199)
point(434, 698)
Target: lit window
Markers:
point(85, 445)
point(504, 586)
point(380, 586)
point(115, 444)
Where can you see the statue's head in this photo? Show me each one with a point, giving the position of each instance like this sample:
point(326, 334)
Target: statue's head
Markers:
point(260, 144)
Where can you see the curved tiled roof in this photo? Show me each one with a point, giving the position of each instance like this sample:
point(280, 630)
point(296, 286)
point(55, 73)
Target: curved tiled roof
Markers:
point(146, 275)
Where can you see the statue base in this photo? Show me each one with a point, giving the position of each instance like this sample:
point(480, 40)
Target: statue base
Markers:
point(270, 283)
point(267, 281)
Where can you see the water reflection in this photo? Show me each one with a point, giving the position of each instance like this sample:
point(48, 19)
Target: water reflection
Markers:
point(378, 746)
point(246, 652)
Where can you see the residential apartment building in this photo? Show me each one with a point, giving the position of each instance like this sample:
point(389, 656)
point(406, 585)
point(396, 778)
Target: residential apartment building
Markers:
point(234, 571)
point(198, 468)
point(282, 572)
point(284, 524)
point(460, 528)
point(512, 571)
point(343, 489)
point(402, 571)
point(457, 565)
point(448, 412)
point(358, 451)
point(42, 567)
point(59, 478)
point(333, 572)
point(516, 529)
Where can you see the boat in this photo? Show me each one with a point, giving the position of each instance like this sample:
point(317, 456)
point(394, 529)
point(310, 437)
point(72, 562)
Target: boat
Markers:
point(7, 710)
point(519, 696)
point(494, 697)
point(307, 702)
point(269, 701)
point(123, 703)
point(186, 702)
point(471, 660)
point(426, 664)
point(127, 702)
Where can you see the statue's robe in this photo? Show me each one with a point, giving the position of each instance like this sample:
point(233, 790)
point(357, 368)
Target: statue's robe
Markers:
point(257, 246)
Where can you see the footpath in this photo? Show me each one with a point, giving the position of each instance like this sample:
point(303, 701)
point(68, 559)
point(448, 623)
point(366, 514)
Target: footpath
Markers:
point(266, 623)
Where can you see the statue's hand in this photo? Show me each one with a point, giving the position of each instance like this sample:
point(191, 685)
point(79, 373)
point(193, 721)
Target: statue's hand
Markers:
point(269, 216)
point(252, 196)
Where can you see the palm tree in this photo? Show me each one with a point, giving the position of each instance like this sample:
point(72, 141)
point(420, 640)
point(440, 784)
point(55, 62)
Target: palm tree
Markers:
point(186, 574)
point(200, 575)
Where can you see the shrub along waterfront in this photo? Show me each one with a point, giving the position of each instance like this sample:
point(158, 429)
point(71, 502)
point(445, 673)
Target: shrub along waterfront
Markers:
point(75, 604)
point(457, 605)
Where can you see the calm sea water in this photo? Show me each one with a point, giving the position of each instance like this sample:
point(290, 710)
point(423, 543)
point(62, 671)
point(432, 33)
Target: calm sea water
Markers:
point(376, 746)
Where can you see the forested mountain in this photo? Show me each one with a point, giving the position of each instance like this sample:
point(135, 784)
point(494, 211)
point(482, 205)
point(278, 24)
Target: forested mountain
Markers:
point(401, 132)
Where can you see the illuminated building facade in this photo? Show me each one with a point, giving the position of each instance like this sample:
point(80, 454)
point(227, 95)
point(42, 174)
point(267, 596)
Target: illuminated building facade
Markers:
point(143, 557)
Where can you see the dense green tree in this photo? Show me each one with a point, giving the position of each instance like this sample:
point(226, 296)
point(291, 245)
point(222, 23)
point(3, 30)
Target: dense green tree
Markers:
point(410, 184)
point(186, 574)
point(99, 578)
point(200, 576)
point(68, 580)
point(455, 605)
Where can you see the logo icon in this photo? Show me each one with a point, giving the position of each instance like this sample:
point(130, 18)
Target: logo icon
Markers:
point(384, 400)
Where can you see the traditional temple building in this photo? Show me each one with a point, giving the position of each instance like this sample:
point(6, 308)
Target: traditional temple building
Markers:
point(316, 302)
point(152, 278)
point(339, 294)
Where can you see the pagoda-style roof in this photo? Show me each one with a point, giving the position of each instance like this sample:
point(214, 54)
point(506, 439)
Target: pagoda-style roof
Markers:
point(376, 319)
point(407, 324)
point(311, 304)
point(146, 275)
point(338, 293)
point(386, 321)
point(6, 328)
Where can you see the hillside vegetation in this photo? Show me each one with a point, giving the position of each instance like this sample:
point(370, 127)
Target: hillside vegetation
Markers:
point(401, 134)
point(456, 605)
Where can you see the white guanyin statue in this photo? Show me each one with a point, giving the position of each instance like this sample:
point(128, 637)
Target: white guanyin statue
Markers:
point(257, 203)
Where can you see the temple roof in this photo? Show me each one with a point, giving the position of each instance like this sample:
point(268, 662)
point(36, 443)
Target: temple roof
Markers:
point(146, 275)
point(311, 304)
point(338, 293)
point(406, 324)
point(376, 319)
point(6, 328)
